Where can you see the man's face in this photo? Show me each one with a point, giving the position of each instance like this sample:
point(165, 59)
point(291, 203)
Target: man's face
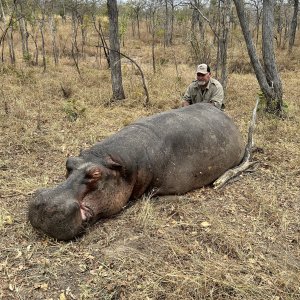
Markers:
point(203, 79)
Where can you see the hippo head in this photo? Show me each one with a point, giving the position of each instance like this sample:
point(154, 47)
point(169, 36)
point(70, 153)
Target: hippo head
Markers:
point(89, 192)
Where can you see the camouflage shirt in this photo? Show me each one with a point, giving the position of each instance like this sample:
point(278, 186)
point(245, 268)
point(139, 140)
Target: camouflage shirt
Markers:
point(213, 93)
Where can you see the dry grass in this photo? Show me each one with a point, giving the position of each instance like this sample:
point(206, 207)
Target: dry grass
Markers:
point(241, 242)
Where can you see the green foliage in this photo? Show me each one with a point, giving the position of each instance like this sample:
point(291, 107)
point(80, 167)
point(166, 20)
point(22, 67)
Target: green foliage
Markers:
point(23, 75)
point(163, 61)
point(74, 109)
point(262, 101)
point(263, 105)
point(123, 23)
point(27, 57)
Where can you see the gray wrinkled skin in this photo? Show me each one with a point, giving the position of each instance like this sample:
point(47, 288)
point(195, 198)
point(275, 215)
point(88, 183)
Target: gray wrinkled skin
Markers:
point(172, 153)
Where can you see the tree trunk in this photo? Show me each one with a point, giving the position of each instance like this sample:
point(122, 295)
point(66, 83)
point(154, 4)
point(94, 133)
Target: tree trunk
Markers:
point(23, 31)
point(279, 10)
point(36, 53)
point(152, 30)
point(115, 59)
point(43, 44)
point(9, 33)
point(167, 40)
point(137, 16)
point(83, 35)
point(223, 41)
point(274, 100)
point(53, 36)
point(268, 79)
point(133, 28)
point(102, 39)
point(75, 50)
point(293, 26)
point(10, 41)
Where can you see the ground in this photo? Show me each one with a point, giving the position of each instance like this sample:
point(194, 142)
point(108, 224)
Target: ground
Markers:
point(239, 242)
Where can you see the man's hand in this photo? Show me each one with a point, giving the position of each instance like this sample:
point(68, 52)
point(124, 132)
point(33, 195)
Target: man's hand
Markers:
point(184, 103)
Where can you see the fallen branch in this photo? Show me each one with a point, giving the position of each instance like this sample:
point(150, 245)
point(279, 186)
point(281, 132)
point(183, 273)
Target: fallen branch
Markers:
point(246, 163)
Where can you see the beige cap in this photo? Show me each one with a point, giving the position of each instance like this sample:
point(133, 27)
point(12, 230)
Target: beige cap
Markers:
point(202, 69)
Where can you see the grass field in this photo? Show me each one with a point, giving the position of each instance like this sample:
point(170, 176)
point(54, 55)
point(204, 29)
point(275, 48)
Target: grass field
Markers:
point(240, 242)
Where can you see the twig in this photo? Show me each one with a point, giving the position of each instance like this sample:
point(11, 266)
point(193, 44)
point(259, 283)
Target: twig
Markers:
point(75, 59)
point(246, 163)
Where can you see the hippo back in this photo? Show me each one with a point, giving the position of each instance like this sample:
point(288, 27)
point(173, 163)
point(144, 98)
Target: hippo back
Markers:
point(181, 149)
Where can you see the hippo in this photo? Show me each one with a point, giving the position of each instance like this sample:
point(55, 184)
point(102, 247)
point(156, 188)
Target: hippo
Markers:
point(172, 152)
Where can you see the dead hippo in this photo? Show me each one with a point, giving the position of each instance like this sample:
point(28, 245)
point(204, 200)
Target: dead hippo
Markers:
point(169, 153)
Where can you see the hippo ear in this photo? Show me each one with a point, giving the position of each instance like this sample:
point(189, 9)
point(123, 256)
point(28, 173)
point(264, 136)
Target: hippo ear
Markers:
point(93, 174)
point(111, 163)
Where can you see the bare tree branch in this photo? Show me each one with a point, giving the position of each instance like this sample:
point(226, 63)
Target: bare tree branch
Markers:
point(147, 100)
point(205, 18)
point(246, 163)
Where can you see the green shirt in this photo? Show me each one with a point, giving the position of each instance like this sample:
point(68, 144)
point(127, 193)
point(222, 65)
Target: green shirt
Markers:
point(213, 93)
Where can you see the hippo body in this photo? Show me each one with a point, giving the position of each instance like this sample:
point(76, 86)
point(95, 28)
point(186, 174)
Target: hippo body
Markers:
point(168, 153)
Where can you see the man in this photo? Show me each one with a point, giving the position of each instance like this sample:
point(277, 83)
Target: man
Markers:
point(204, 89)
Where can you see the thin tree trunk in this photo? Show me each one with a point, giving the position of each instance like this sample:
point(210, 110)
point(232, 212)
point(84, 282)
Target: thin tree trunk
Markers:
point(138, 26)
point(133, 28)
point(115, 59)
point(293, 26)
point(83, 35)
point(223, 42)
point(43, 44)
point(75, 50)
point(9, 32)
point(274, 102)
point(167, 42)
point(10, 41)
point(279, 24)
point(23, 31)
point(152, 20)
point(36, 54)
point(53, 36)
point(102, 39)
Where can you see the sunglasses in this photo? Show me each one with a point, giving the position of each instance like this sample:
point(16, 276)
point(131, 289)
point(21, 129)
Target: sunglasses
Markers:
point(200, 74)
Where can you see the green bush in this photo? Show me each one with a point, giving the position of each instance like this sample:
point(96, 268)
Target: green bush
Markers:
point(74, 109)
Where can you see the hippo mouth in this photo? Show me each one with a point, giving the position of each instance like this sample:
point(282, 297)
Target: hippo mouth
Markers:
point(86, 212)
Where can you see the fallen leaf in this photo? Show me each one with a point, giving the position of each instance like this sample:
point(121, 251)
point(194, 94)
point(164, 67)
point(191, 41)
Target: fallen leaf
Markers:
point(62, 296)
point(205, 224)
point(19, 254)
point(44, 286)
point(8, 220)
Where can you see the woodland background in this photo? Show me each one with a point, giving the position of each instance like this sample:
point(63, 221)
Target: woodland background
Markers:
point(240, 242)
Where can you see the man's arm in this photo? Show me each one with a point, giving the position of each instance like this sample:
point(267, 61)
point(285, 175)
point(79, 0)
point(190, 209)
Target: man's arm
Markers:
point(186, 99)
point(218, 96)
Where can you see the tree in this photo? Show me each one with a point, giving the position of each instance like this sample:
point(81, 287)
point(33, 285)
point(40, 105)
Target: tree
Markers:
point(267, 75)
point(257, 5)
point(221, 34)
point(293, 25)
point(115, 58)
point(23, 29)
point(8, 32)
point(136, 7)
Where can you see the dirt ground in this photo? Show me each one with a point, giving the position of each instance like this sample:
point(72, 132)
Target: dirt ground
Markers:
point(240, 242)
